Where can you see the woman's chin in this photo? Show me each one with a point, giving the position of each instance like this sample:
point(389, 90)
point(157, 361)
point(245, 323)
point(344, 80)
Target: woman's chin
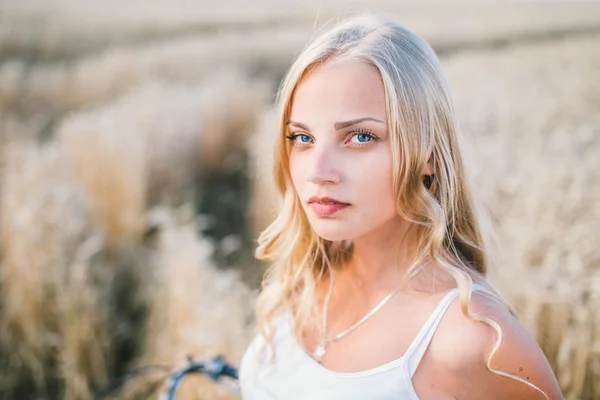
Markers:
point(333, 235)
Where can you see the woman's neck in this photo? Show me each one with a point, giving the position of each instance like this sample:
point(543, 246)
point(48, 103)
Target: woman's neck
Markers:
point(382, 256)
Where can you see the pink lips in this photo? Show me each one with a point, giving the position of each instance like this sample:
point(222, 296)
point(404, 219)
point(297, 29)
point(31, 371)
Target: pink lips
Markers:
point(325, 205)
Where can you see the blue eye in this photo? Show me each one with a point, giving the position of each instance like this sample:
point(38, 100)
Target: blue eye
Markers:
point(364, 137)
point(293, 136)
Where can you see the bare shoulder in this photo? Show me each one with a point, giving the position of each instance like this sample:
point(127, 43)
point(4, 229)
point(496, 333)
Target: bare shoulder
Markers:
point(461, 347)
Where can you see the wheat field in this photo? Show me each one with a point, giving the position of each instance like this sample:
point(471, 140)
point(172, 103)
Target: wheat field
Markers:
point(135, 149)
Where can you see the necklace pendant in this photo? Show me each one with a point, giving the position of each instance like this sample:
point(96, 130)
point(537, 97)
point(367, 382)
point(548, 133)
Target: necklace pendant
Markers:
point(319, 352)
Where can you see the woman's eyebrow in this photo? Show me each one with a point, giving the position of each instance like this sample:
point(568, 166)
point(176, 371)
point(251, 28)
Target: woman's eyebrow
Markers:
point(338, 125)
point(345, 124)
point(298, 125)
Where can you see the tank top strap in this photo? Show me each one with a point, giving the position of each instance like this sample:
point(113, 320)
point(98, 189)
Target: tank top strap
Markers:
point(417, 349)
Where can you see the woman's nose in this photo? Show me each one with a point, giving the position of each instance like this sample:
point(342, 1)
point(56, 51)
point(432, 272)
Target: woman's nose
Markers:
point(322, 167)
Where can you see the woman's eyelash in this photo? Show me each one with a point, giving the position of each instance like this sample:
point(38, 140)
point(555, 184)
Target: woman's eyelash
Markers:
point(363, 131)
point(293, 136)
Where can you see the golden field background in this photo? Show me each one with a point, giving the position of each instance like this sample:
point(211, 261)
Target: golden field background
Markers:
point(135, 153)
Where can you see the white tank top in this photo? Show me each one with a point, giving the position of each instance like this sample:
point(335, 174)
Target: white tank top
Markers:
point(297, 376)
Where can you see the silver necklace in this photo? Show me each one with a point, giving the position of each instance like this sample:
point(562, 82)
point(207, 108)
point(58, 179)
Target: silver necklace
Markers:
point(320, 350)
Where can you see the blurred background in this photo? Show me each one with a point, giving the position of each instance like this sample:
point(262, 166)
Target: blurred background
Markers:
point(136, 141)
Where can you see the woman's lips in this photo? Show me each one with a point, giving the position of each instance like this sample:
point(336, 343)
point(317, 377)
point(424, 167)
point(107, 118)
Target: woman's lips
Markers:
point(324, 209)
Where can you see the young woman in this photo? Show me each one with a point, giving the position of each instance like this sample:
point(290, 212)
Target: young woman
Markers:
point(377, 285)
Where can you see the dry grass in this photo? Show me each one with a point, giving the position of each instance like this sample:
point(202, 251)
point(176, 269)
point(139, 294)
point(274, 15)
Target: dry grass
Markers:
point(49, 314)
point(74, 297)
point(264, 202)
point(196, 310)
point(66, 29)
point(60, 87)
point(150, 145)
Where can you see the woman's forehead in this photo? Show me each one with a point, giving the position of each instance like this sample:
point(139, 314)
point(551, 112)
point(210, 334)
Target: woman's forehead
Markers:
point(341, 90)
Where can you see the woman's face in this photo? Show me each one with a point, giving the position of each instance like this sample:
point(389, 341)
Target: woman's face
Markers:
point(340, 148)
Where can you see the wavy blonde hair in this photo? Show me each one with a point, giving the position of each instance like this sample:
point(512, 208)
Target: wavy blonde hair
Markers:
point(423, 129)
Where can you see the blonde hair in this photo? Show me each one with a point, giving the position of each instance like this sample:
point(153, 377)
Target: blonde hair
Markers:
point(423, 129)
